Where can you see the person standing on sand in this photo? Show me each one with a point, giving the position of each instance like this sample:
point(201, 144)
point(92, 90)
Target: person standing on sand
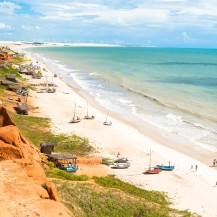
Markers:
point(118, 155)
point(196, 168)
point(214, 162)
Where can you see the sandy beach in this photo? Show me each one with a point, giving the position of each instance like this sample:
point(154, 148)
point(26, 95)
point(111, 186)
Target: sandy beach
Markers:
point(187, 188)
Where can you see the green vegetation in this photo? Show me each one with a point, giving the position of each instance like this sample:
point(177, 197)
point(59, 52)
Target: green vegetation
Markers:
point(7, 69)
point(60, 174)
point(51, 164)
point(111, 182)
point(38, 130)
point(91, 200)
point(18, 59)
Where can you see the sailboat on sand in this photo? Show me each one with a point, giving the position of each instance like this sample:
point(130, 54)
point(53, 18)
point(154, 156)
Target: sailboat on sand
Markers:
point(87, 115)
point(106, 122)
point(152, 170)
point(74, 119)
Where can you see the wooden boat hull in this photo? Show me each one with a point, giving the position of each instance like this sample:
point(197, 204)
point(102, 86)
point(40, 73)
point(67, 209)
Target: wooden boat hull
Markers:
point(152, 171)
point(69, 169)
point(107, 123)
point(167, 168)
point(89, 117)
point(74, 121)
point(120, 166)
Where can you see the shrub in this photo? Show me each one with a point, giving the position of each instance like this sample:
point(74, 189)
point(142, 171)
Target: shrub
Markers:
point(57, 173)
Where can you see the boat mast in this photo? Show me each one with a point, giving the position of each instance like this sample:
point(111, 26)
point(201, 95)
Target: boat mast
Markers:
point(107, 116)
point(74, 111)
point(150, 160)
point(87, 109)
point(46, 84)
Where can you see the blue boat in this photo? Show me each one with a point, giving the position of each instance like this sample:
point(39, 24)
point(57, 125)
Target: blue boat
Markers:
point(162, 167)
point(69, 168)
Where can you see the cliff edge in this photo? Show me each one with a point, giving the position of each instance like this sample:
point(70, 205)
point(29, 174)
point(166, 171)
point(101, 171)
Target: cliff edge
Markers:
point(24, 188)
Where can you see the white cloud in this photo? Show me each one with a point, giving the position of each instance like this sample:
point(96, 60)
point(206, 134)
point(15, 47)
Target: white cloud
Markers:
point(28, 27)
point(134, 16)
point(8, 7)
point(101, 13)
point(24, 27)
point(122, 19)
point(4, 26)
point(170, 1)
point(185, 37)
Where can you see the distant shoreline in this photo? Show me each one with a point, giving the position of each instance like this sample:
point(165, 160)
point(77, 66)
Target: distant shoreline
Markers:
point(54, 44)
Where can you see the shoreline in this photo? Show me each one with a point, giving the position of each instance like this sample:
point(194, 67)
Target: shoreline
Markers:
point(125, 138)
point(163, 137)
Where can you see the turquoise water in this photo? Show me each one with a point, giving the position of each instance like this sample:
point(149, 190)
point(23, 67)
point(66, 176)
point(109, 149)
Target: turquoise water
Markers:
point(174, 89)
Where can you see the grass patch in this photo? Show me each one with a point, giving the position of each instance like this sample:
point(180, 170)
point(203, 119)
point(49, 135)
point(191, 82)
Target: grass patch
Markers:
point(38, 130)
point(51, 164)
point(19, 59)
point(91, 200)
point(112, 182)
point(60, 174)
point(9, 70)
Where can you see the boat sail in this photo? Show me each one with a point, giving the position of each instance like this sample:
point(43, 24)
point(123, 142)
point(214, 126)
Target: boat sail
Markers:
point(87, 115)
point(75, 120)
point(106, 120)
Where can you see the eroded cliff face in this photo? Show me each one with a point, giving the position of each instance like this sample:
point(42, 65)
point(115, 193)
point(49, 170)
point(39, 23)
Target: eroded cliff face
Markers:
point(24, 188)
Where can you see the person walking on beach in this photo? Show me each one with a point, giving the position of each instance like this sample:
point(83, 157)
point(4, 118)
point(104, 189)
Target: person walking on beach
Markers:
point(196, 167)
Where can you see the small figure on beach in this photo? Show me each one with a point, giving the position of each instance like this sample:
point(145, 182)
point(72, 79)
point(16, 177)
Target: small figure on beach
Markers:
point(196, 167)
point(192, 167)
point(214, 162)
point(118, 155)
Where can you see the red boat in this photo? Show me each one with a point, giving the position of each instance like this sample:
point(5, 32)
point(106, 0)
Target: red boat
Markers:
point(152, 171)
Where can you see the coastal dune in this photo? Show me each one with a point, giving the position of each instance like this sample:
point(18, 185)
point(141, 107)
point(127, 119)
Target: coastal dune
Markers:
point(187, 188)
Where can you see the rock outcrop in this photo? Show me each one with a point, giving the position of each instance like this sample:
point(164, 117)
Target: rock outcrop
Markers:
point(12, 144)
point(24, 188)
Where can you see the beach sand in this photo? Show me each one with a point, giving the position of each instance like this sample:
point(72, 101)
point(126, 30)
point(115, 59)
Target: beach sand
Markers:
point(187, 188)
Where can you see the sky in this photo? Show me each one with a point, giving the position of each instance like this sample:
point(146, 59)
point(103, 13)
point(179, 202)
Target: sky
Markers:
point(162, 23)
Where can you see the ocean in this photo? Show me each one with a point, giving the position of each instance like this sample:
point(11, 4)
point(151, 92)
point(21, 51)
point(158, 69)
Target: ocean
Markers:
point(172, 89)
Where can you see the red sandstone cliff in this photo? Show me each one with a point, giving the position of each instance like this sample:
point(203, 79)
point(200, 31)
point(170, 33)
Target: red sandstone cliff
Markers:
point(24, 188)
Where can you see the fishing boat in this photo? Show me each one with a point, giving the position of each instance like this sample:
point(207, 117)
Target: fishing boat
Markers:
point(152, 170)
point(163, 167)
point(122, 160)
point(87, 115)
point(74, 119)
point(106, 122)
point(120, 165)
point(69, 168)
